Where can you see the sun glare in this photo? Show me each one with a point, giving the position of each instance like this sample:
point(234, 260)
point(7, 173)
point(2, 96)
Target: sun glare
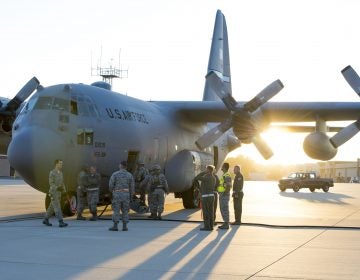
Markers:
point(287, 148)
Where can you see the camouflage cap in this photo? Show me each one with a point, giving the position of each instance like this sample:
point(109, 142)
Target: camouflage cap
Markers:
point(156, 167)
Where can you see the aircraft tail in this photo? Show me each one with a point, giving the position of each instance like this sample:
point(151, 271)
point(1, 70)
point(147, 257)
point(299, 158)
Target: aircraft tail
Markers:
point(219, 60)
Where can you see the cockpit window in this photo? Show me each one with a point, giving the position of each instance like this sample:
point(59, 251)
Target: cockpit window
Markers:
point(83, 109)
point(61, 104)
point(29, 105)
point(73, 107)
point(83, 106)
point(43, 103)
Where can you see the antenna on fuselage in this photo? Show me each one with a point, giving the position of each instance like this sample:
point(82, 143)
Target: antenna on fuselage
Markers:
point(109, 72)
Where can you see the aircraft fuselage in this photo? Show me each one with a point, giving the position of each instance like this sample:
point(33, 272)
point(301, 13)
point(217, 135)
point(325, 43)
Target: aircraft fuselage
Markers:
point(87, 125)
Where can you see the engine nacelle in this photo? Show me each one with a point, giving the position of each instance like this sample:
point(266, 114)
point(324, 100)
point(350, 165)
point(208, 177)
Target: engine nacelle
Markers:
point(317, 145)
point(181, 169)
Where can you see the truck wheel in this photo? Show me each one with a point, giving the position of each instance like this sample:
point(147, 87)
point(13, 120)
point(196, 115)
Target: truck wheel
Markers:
point(296, 188)
point(312, 189)
point(325, 188)
point(191, 197)
point(282, 189)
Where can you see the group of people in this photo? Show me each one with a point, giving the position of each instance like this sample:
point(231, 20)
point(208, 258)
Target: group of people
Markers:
point(213, 188)
point(122, 187)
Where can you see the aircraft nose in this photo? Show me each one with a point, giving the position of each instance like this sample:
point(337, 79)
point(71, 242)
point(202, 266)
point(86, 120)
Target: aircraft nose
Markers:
point(32, 152)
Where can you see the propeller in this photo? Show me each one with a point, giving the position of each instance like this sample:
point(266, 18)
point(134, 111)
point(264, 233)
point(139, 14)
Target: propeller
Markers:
point(352, 78)
point(351, 130)
point(240, 115)
point(21, 96)
point(8, 110)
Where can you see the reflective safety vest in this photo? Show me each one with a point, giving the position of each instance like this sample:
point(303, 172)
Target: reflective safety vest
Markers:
point(222, 187)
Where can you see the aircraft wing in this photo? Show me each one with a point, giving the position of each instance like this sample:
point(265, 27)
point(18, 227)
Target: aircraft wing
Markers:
point(215, 111)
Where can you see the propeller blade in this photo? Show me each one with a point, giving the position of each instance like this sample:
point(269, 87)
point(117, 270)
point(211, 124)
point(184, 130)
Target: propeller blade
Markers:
point(352, 78)
point(213, 134)
point(221, 90)
point(24, 93)
point(262, 147)
point(264, 96)
point(345, 134)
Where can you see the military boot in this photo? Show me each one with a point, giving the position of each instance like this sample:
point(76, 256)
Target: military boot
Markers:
point(114, 227)
point(62, 224)
point(159, 216)
point(46, 222)
point(224, 226)
point(94, 217)
point(152, 216)
point(125, 226)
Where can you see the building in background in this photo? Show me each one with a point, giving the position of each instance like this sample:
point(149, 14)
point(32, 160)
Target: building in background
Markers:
point(340, 171)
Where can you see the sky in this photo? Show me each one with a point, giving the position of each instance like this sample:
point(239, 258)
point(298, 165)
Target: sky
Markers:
point(165, 47)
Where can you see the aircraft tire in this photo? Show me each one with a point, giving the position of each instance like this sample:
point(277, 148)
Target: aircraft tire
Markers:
point(69, 206)
point(191, 197)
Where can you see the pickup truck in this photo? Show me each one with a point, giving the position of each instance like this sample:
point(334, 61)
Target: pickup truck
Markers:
point(300, 180)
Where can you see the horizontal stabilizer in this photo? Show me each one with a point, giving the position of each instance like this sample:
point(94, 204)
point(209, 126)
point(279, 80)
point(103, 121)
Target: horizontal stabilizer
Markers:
point(221, 89)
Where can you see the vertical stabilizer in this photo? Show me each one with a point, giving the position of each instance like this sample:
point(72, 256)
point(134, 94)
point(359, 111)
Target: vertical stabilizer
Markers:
point(219, 60)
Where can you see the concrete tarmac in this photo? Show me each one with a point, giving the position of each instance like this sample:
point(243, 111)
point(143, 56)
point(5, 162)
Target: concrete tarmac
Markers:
point(284, 236)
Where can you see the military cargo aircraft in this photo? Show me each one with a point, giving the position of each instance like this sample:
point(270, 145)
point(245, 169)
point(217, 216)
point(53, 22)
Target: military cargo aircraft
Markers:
point(91, 124)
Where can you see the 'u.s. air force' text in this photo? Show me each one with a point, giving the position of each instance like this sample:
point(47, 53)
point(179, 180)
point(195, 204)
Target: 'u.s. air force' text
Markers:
point(126, 115)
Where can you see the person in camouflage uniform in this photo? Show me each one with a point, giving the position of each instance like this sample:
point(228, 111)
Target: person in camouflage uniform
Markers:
point(57, 186)
point(81, 193)
point(147, 190)
point(207, 185)
point(122, 187)
point(224, 195)
point(158, 187)
point(92, 182)
point(139, 177)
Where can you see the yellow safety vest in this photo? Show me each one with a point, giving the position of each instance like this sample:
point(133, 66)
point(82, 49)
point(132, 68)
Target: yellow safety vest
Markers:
point(221, 188)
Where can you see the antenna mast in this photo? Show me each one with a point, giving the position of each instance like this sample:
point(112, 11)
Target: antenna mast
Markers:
point(110, 72)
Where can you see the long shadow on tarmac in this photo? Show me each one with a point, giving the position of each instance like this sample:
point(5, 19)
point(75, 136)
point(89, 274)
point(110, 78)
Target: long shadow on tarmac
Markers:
point(172, 256)
point(331, 198)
